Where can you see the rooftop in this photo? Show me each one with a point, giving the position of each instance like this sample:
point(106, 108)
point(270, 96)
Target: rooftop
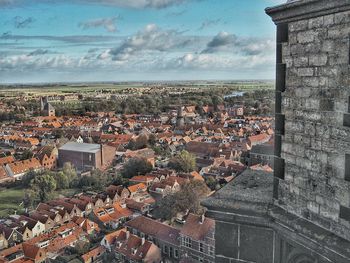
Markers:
point(81, 147)
point(251, 190)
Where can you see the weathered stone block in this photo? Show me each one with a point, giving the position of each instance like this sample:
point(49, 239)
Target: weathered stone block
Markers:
point(301, 61)
point(342, 18)
point(298, 26)
point(328, 46)
point(338, 32)
point(316, 22)
point(302, 72)
point(313, 207)
point(318, 60)
point(328, 20)
point(326, 104)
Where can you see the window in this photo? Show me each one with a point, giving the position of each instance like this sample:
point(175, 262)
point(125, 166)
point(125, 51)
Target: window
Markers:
point(165, 249)
point(344, 213)
point(201, 247)
point(176, 253)
point(347, 167)
point(187, 242)
point(211, 251)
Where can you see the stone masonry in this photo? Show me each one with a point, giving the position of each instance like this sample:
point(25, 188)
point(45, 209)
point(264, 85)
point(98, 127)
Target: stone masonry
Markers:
point(315, 140)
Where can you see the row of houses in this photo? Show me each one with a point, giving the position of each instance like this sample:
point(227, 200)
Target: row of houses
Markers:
point(146, 240)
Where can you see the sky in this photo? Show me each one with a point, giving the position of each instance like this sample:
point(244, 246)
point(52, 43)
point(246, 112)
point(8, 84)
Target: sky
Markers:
point(135, 40)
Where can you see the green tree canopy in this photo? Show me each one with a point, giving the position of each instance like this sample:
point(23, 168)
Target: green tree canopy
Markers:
point(184, 162)
point(69, 170)
point(62, 181)
point(43, 186)
point(136, 166)
point(186, 200)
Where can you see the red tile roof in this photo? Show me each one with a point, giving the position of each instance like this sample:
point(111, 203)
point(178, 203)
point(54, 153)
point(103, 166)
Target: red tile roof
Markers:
point(197, 228)
point(155, 229)
point(93, 254)
point(20, 167)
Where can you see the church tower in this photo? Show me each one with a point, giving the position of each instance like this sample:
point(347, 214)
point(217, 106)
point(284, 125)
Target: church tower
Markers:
point(180, 120)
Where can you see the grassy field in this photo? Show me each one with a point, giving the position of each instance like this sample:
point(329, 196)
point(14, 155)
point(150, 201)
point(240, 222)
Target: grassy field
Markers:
point(61, 89)
point(11, 199)
point(7, 91)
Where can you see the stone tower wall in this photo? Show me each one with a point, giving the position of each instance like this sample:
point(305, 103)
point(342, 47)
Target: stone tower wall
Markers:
point(313, 145)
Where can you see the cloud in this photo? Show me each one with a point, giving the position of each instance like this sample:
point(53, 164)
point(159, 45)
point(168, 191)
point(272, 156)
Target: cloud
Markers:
point(40, 52)
point(151, 38)
point(222, 41)
point(195, 61)
point(20, 22)
point(6, 34)
point(176, 13)
point(80, 39)
point(7, 2)
point(109, 24)
point(138, 4)
point(208, 23)
point(226, 42)
point(157, 4)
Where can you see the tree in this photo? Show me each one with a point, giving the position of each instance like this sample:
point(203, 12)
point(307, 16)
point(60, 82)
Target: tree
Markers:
point(62, 181)
point(69, 170)
point(28, 177)
point(120, 180)
point(26, 154)
point(89, 183)
point(139, 143)
point(152, 139)
point(29, 199)
point(186, 200)
point(184, 162)
point(167, 207)
point(211, 182)
point(43, 186)
point(81, 247)
point(136, 166)
point(216, 101)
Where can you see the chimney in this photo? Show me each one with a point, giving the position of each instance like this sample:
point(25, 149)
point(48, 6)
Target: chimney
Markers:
point(202, 219)
point(127, 234)
point(101, 147)
point(143, 240)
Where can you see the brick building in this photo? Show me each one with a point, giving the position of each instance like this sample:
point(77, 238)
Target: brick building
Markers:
point(85, 156)
point(197, 239)
point(301, 213)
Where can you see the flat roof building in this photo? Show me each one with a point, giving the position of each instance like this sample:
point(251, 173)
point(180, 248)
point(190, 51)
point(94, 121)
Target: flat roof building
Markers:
point(86, 156)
